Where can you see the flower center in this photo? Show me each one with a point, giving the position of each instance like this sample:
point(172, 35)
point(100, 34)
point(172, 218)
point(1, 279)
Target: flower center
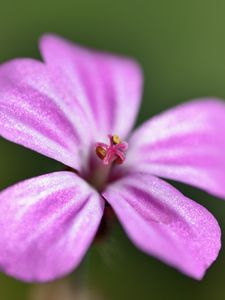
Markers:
point(103, 160)
point(115, 151)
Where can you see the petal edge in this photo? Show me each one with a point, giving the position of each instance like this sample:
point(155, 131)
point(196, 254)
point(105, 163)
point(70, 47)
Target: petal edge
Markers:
point(163, 223)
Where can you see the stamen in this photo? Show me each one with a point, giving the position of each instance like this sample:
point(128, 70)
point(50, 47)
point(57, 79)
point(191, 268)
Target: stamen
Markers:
point(116, 140)
point(114, 152)
point(101, 152)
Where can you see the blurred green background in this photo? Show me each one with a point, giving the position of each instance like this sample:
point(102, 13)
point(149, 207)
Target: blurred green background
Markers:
point(181, 47)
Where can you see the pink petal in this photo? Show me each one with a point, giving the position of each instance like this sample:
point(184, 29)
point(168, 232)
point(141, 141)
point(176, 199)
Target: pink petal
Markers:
point(34, 114)
point(162, 222)
point(108, 87)
point(185, 143)
point(47, 224)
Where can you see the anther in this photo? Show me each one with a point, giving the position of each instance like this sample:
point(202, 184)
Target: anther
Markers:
point(114, 152)
point(115, 139)
point(101, 152)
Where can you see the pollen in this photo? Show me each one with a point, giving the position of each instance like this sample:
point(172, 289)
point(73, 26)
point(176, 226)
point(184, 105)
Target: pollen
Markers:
point(101, 152)
point(114, 152)
point(116, 140)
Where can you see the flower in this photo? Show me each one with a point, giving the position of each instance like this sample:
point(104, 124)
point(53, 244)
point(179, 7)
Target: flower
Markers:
point(78, 107)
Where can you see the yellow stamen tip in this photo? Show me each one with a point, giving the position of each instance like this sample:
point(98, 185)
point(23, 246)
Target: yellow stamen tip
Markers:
point(116, 140)
point(101, 152)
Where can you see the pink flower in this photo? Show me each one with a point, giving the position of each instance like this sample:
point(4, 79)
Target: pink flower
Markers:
point(70, 108)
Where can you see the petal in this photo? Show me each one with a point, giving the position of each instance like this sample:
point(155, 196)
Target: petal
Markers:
point(47, 224)
point(162, 222)
point(185, 144)
point(35, 115)
point(109, 87)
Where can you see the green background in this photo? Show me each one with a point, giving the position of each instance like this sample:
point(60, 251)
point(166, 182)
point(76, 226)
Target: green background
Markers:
point(181, 47)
